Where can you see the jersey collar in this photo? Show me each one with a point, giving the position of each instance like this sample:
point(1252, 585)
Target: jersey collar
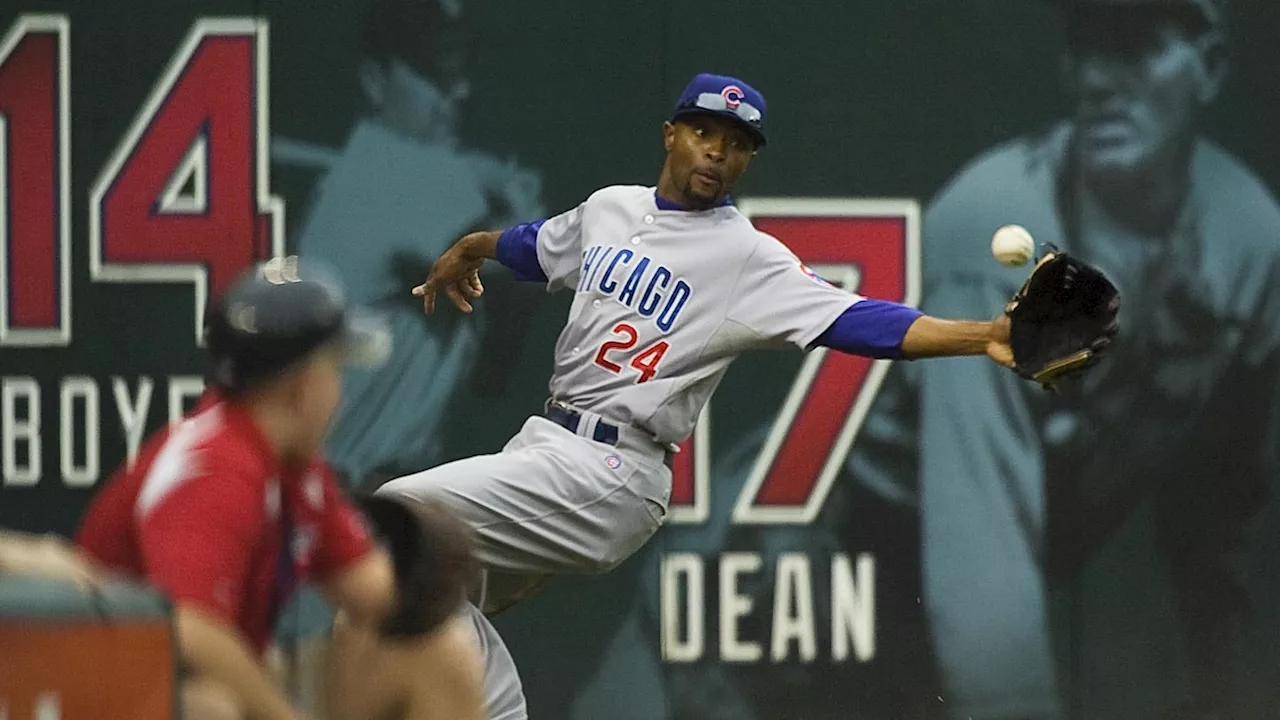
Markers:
point(665, 204)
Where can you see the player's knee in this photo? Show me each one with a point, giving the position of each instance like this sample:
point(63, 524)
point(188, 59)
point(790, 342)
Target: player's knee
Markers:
point(617, 552)
point(419, 488)
point(607, 561)
point(207, 700)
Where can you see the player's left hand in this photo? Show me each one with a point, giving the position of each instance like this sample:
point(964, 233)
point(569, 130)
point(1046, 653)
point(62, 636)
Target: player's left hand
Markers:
point(999, 348)
point(457, 275)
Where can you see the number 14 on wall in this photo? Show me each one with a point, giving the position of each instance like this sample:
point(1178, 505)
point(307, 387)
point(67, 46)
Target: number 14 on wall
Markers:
point(184, 197)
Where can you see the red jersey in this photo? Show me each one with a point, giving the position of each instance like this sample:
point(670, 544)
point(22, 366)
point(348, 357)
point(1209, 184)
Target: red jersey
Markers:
point(204, 513)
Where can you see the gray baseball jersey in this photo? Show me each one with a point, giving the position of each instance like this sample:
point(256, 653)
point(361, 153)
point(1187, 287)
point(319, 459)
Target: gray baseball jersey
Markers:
point(665, 300)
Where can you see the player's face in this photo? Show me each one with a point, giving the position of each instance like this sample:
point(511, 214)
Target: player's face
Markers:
point(320, 391)
point(414, 105)
point(706, 155)
point(1139, 83)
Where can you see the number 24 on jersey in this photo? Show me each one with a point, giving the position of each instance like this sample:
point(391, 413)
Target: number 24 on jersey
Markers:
point(644, 362)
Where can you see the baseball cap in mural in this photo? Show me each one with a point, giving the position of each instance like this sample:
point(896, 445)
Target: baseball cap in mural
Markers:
point(725, 96)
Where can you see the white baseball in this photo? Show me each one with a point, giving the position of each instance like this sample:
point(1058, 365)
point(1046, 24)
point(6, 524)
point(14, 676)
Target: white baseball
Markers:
point(1012, 245)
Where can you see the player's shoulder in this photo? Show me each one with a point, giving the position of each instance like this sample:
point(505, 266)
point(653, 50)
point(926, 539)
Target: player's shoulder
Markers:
point(212, 428)
point(206, 443)
point(628, 195)
point(757, 249)
point(761, 245)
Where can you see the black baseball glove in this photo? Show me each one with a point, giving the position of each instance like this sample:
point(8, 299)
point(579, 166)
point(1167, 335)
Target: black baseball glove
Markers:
point(432, 554)
point(1061, 319)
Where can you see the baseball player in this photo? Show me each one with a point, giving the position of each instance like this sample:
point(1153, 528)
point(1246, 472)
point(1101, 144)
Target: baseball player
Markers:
point(1020, 490)
point(228, 511)
point(670, 283)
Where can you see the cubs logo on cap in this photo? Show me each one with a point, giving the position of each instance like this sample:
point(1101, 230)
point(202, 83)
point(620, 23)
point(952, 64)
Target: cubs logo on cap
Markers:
point(732, 96)
point(726, 96)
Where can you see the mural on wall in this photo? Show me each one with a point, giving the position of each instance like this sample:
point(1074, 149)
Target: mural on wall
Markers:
point(846, 536)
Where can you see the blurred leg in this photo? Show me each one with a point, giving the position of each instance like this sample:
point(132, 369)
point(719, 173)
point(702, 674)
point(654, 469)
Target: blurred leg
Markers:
point(503, 690)
point(549, 503)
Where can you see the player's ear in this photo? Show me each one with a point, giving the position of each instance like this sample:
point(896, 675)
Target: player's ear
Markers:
point(373, 81)
point(668, 135)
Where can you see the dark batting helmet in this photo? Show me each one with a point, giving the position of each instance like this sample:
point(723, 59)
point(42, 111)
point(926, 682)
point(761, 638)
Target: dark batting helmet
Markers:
point(275, 315)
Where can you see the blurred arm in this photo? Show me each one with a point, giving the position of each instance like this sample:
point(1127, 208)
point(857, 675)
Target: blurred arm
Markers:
point(14, 547)
point(365, 591)
point(217, 652)
point(354, 573)
point(47, 556)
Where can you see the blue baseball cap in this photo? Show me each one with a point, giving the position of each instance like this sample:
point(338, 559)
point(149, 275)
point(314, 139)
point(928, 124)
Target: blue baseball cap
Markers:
point(727, 96)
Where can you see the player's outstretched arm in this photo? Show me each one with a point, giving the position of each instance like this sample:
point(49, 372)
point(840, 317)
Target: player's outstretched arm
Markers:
point(930, 337)
point(546, 251)
point(882, 329)
point(1063, 317)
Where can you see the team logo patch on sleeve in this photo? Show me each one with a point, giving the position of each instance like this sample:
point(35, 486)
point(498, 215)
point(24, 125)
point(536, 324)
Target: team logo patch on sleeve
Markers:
point(613, 461)
point(812, 275)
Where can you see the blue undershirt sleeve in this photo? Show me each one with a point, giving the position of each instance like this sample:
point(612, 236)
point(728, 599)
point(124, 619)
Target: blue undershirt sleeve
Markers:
point(518, 251)
point(871, 328)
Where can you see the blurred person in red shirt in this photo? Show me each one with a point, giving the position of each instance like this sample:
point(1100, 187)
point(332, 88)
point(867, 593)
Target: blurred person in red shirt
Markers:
point(230, 510)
